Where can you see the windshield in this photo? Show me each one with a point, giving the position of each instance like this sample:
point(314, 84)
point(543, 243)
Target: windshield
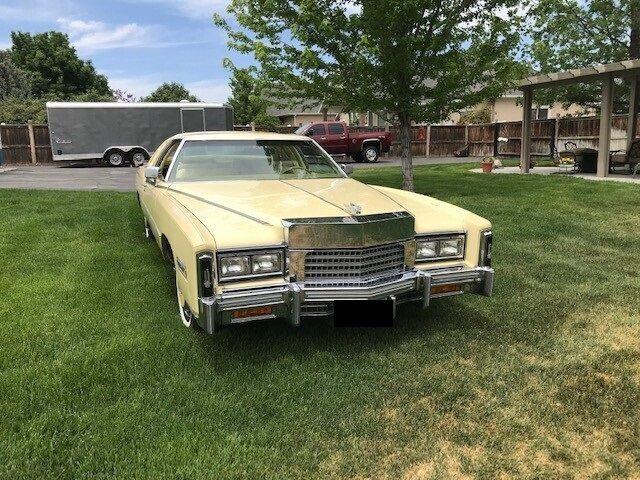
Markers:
point(301, 129)
point(211, 160)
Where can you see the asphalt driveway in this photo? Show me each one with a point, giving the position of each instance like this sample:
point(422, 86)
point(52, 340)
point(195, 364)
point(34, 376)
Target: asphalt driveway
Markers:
point(55, 177)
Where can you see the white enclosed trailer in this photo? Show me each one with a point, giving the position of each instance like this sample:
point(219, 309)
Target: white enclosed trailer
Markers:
point(126, 133)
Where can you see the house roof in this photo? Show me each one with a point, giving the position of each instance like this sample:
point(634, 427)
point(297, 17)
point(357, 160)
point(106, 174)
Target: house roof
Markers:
point(578, 75)
point(303, 107)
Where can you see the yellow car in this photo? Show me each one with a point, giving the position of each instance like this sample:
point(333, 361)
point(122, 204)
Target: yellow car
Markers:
point(263, 225)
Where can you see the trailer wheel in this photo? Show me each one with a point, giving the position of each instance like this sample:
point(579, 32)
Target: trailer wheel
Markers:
point(115, 158)
point(137, 158)
point(370, 153)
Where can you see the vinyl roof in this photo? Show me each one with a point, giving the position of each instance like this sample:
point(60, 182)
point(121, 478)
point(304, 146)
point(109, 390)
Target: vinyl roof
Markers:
point(626, 68)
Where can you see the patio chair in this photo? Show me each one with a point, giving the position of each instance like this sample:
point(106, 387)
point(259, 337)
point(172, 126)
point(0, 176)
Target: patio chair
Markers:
point(630, 158)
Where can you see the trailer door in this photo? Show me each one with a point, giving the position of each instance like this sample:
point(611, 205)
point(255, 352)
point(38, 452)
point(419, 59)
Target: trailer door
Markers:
point(192, 119)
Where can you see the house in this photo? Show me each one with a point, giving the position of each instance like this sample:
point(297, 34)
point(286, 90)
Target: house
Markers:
point(307, 112)
point(508, 108)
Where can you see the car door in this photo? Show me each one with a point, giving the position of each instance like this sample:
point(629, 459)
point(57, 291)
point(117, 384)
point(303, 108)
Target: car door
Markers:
point(319, 133)
point(152, 191)
point(337, 142)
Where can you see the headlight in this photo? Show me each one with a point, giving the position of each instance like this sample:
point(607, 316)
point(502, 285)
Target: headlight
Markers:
point(266, 263)
point(442, 247)
point(249, 264)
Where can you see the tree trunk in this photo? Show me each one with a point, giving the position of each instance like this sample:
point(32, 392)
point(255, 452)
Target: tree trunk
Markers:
point(405, 155)
point(634, 44)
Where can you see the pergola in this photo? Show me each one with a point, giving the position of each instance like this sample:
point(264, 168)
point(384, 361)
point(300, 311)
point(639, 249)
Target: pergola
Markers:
point(606, 74)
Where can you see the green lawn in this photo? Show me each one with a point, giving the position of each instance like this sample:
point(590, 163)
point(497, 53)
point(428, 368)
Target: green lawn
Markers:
point(98, 378)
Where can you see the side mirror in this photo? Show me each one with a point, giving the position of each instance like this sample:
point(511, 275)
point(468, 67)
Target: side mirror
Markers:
point(348, 169)
point(151, 174)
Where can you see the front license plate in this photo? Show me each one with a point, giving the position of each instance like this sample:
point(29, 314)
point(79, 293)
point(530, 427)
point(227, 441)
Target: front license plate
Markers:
point(363, 313)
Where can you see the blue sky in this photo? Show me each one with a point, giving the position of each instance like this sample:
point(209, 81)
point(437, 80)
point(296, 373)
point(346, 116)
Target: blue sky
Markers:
point(136, 44)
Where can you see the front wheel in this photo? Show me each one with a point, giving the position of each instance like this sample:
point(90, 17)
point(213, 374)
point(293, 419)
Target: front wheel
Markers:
point(370, 154)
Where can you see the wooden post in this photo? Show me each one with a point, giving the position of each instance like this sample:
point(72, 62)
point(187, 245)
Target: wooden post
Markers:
point(32, 144)
point(525, 142)
point(604, 144)
point(496, 135)
point(634, 103)
point(253, 126)
point(556, 134)
point(427, 148)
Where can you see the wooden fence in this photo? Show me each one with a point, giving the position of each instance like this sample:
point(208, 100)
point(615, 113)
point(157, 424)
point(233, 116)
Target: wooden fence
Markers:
point(25, 144)
point(491, 139)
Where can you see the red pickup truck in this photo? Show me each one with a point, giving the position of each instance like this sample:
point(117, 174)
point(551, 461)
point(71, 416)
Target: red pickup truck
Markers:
point(336, 139)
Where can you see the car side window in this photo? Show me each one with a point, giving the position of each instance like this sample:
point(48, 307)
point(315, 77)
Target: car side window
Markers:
point(167, 157)
point(317, 130)
point(336, 128)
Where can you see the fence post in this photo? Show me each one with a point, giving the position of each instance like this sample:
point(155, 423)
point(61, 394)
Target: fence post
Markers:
point(496, 135)
point(427, 148)
point(32, 144)
point(556, 132)
point(253, 126)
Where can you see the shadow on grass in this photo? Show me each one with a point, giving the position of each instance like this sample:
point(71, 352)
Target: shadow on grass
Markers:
point(271, 341)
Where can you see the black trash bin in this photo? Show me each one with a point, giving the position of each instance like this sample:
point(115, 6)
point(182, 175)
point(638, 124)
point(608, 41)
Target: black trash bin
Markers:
point(586, 159)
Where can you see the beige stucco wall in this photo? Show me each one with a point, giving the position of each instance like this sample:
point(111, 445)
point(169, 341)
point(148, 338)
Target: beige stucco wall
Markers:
point(508, 109)
point(301, 119)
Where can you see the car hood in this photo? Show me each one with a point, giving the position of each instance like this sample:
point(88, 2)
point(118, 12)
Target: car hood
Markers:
point(271, 201)
point(246, 213)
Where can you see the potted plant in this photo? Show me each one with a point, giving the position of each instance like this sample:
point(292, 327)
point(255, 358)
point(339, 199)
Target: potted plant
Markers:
point(487, 164)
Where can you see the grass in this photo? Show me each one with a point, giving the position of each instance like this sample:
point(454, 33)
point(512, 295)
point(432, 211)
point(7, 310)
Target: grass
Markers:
point(99, 379)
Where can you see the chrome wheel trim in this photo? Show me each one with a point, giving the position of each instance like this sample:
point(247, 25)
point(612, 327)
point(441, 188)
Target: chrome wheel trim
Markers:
point(115, 159)
point(185, 313)
point(138, 159)
point(371, 154)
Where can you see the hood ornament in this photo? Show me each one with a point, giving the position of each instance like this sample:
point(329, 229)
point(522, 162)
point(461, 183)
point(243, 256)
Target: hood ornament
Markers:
point(353, 208)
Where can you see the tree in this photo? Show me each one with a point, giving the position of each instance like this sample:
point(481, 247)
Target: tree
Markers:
point(23, 111)
point(570, 34)
point(15, 83)
point(418, 60)
point(479, 114)
point(56, 70)
point(170, 92)
point(248, 96)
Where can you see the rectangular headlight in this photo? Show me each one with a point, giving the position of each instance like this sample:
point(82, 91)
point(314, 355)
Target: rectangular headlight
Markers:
point(441, 247)
point(266, 263)
point(236, 266)
point(249, 264)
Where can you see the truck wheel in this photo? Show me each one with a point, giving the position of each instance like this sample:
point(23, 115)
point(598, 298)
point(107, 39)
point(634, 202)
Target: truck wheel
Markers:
point(371, 154)
point(357, 157)
point(115, 158)
point(136, 159)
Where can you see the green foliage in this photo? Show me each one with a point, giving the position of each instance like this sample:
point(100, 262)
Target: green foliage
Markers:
point(170, 92)
point(480, 114)
point(56, 70)
point(419, 60)
point(15, 83)
point(570, 34)
point(248, 97)
point(23, 110)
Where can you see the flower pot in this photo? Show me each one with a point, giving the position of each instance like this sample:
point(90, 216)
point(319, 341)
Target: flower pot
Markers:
point(487, 167)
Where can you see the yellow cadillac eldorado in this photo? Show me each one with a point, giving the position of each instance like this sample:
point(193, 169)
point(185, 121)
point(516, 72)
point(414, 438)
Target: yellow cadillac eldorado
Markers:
point(263, 225)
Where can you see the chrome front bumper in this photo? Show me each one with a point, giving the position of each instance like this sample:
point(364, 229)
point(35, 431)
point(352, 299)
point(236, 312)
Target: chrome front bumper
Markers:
point(286, 301)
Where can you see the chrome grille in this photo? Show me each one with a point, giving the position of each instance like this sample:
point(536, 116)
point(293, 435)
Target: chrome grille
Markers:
point(353, 267)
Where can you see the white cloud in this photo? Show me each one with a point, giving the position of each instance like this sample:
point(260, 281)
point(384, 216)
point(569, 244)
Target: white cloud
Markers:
point(34, 10)
point(89, 36)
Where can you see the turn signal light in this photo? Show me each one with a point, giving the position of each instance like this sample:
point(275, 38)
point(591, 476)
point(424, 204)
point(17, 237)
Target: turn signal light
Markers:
point(438, 289)
point(252, 312)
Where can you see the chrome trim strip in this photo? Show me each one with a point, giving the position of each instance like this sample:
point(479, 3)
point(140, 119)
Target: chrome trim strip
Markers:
point(218, 205)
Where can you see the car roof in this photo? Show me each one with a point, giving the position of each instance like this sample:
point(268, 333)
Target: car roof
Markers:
point(227, 135)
